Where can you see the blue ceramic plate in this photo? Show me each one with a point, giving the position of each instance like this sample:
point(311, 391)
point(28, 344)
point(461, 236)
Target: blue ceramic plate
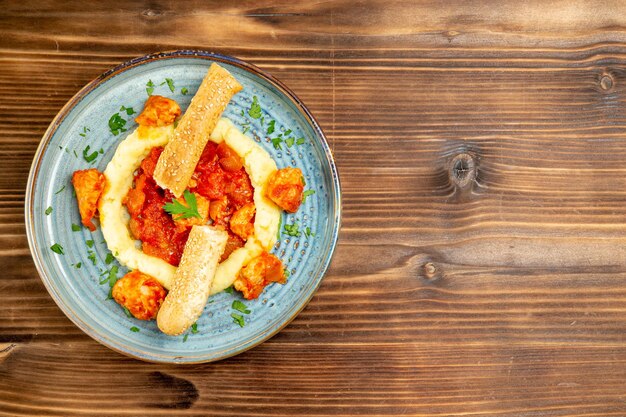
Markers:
point(78, 279)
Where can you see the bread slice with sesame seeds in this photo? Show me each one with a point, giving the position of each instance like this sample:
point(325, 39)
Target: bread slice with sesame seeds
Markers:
point(180, 156)
point(192, 281)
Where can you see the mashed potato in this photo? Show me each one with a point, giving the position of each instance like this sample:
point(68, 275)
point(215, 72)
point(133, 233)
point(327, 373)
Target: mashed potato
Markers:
point(114, 217)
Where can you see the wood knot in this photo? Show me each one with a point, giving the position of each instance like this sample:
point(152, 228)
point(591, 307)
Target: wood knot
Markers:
point(606, 82)
point(151, 13)
point(430, 271)
point(462, 171)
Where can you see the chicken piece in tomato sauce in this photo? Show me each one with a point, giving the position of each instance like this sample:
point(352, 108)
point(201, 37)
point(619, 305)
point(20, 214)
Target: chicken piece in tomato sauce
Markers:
point(141, 294)
point(158, 111)
point(88, 184)
point(260, 272)
point(285, 188)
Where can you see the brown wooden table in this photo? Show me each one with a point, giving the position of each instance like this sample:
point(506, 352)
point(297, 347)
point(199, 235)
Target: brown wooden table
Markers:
point(481, 267)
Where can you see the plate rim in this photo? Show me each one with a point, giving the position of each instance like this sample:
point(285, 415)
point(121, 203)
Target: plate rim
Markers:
point(65, 111)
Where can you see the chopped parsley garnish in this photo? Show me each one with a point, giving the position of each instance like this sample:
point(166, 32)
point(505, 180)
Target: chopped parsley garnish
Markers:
point(75, 154)
point(300, 141)
point(182, 211)
point(280, 223)
point(92, 257)
point(61, 189)
point(194, 328)
point(289, 141)
point(129, 110)
point(134, 329)
point(112, 276)
point(308, 233)
point(78, 265)
point(306, 194)
point(241, 307)
point(101, 151)
point(184, 91)
point(90, 157)
point(292, 230)
point(89, 243)
point(110, 258)
point(287, 273)
point(238, 319)
point(75, 228)
point(84, 132)
point(116, 124)
point(271, 127)
point(255, 109)
point(149, 87)
point(185, 337)
point(127, 312)
point(56, 248)
point(303, 180)
point(287, 132)
point(276, 142)
point(229, 290)
point(48, 210)
point(170, 84)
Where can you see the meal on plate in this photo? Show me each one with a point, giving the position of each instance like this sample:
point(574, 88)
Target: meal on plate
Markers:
point(191, 206)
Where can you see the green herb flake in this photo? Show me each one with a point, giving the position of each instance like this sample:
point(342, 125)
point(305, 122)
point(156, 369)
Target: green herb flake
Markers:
point(182, 211)
point(255, 109)
point(48, 210)
point(287, 273)
point(75, 228)
point(89, 157)
point(112, 277)
point(185, 337)
point(184, 91)
point(238, 319)
point(241, 307)
point(89, 243)
point(78, 265)
point(303, 180)
point(75, 154)
point(292, 230)
point(271, 126)
point(229, 290)
point(110, 258)
point(92, 257)
point(289, 141)
point(129, 110)
point(61, 189)
point(276, 142)
point(56, 248)
point(300, 141)
point(194, 328)
point(306, 194)
point(170, 84)
point(134, 329)
point(84, 132)
point(149, 87)
point(127, 312)
point(308, 233)
point(116, 124)
point(280, 224)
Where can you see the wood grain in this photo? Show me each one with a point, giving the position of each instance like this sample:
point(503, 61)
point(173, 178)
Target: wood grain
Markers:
point(502, 297)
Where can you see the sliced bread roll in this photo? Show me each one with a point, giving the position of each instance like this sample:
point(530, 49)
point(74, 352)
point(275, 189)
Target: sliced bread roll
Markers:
point(180, 156)
point(192, 280)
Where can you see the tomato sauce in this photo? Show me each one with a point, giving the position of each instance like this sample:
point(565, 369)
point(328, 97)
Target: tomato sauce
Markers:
point(219, 176)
